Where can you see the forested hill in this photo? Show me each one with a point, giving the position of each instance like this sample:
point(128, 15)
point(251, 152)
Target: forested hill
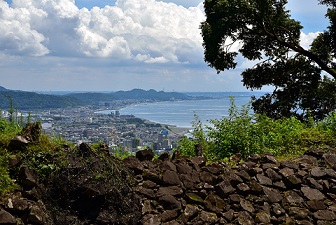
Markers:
point(30, 100)
point(24, 100)
point(135, 94)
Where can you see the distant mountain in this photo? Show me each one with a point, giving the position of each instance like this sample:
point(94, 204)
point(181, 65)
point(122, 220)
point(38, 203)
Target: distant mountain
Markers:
point(30, 100)
point(135, 94)
point(3, 89)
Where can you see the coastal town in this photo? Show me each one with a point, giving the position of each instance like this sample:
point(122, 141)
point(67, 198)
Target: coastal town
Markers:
point(122, 133)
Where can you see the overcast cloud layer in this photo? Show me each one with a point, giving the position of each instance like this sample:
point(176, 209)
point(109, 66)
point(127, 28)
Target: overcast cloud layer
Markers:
point(123, 44)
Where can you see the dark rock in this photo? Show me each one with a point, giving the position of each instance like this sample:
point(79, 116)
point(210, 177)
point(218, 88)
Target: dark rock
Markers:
point(263, 217)
point(171, 190)
point(6, 218)
point(183, 168)
point(268, 158)
point(244, 175)
point(325, 215)
point(330, 173)
point(255, 186)
point(27, 177)
point(207, 177)
point(164, 156)
point(247, 205)
point(243, 187)
point(313, 183)
point(298, 213)
point(244, 218)
point(318, 153)
point(189, 181)
point(293, 180)
point(277, 209)
point(254, 158)
point(149, 184)
point(144, 155)
point(205, 217)
point(285, 172)
point(273, 195)
point(229, 215)
point(306, 159)
point(169, 202)
point(168, 215)
point(150, 219)
point(168, 165)
point(134, 164)
point(148, 193)
point(189, 213)
point(289, 164)
point(214, 168)
point(214, 203)
point(330, 159)
point(199, 160)
point(149, 175)
point(16, 204)
point(318, 172)
point(233, 178)
point(18, 143)
point(224, 189)
point(293, 198)
point(235, 198)
point(274, 176)
point(263, 180)
point(315, 205)
point(279, 185)
point(304, 222)
point(171, 178)
point(312, 194)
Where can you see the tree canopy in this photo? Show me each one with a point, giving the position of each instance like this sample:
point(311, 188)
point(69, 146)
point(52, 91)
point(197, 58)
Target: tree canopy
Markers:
point(263, 30)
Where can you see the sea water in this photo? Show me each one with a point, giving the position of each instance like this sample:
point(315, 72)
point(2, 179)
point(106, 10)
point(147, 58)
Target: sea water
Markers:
point(182, 113)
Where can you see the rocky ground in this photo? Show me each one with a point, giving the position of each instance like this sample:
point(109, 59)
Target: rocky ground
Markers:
point(92, 188)
point(261, 190)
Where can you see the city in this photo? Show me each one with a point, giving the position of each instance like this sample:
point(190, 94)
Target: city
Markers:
point(125, 133)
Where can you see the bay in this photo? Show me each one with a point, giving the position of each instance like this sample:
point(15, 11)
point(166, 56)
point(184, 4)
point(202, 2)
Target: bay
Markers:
point(181, 113)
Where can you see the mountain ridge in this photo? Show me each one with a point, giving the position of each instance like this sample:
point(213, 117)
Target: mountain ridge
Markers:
point(25, 100)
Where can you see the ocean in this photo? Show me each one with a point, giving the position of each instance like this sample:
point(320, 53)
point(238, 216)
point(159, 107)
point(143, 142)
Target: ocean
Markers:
point(181, 113)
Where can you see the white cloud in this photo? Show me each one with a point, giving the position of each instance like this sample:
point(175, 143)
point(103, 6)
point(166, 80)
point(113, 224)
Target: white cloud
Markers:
point(163, 32)
point(307, 39)
point(17, 36)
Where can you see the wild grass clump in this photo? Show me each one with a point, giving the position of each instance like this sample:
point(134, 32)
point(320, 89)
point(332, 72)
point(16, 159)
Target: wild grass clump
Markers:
point(7, 132)
point(246, 133)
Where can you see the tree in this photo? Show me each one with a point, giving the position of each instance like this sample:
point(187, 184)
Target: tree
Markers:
point(264, 31)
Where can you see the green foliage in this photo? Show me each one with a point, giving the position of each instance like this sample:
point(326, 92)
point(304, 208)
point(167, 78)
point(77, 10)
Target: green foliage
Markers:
point(264, 31)
point(187, 146)
point(7, 132)
point(121, 153)
point(328, 124)
point(246, 133)
point(6, 183)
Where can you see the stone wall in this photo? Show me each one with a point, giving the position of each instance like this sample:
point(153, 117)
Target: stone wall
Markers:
point(261, 190)
point(180, 190)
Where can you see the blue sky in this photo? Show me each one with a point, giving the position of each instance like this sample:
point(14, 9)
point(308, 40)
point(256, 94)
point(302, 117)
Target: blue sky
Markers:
point(110, 45)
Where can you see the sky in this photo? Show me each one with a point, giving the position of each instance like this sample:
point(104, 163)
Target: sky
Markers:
point(111, 45)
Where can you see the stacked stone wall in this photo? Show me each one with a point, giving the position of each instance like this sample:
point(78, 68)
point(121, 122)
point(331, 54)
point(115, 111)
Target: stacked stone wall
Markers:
point(260, 190)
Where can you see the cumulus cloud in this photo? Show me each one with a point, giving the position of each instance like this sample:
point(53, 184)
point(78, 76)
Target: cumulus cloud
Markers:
point(307, 39)
point(143, 30)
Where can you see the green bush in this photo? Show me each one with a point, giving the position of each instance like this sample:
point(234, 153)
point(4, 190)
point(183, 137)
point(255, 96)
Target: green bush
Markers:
point(247, 133)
